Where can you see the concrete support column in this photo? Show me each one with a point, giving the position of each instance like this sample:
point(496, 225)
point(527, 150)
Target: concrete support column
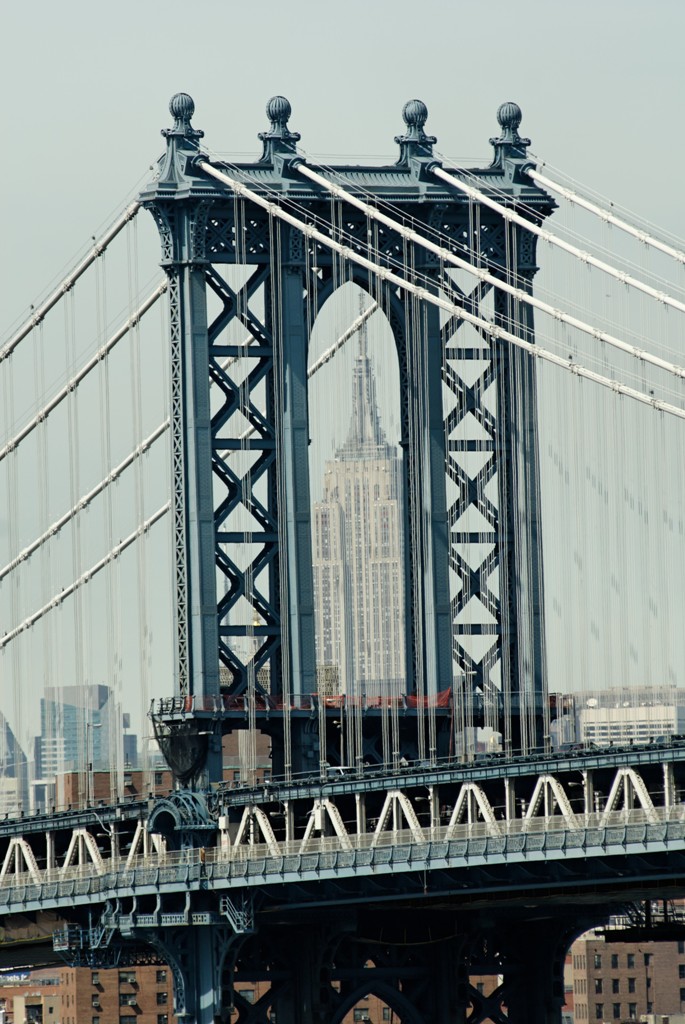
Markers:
point(588, 792)
point(50, 861)
point(360, 802)
point(509, 800)
point(289, 813)
point(669, 785)
point(434, 800)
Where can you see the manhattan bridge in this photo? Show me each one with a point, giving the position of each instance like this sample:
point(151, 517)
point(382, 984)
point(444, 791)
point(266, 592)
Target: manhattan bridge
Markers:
point(161, 449)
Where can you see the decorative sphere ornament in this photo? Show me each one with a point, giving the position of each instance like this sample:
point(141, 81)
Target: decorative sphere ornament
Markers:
point(415, 114)
point(509, 116)
point(278, 109)
point(182, 106)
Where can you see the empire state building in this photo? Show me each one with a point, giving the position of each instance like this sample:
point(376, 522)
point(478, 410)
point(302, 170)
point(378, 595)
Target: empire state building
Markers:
point(358, 555)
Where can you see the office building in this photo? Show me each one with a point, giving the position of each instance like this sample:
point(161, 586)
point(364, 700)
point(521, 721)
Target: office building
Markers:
point(358, 554)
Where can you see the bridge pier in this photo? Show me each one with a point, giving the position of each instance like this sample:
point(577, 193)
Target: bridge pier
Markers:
point(533, 987)
point(196, 957)
point(420, 963)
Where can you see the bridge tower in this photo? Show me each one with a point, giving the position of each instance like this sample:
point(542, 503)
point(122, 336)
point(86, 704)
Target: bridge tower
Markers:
point(244, 285)
point(240, 440)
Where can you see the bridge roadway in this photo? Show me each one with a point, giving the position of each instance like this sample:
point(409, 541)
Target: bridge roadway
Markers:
point(551, 845)
point(474, 828)
point(630, 855)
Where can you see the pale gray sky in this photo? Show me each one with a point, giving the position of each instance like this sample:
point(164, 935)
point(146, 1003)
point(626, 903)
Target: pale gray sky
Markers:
point(87, 84)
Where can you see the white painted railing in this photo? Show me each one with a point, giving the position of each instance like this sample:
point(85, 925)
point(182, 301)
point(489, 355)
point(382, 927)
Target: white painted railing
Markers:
point(237, 866)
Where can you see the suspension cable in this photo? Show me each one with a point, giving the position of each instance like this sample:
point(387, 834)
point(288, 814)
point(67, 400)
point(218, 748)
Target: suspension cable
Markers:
point(85, 370)
point(436, 234)
point(344, 337)
point(610, 218)
point(85, 576)
point(70, 280)
point(395, 263)
point(518, 293)
point(423, 293)
point(85, 501)
point(547, 236)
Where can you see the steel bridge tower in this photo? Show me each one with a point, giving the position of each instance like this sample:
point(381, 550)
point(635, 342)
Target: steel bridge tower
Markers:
point(261, 424)
point(244, 287)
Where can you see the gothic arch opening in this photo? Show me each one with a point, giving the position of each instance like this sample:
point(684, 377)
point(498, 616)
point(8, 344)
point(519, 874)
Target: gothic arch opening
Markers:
point(358, 509)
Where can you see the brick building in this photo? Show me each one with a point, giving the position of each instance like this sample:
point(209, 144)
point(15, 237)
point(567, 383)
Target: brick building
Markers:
point(624, 981)
point(241, 764)
point(68, 995)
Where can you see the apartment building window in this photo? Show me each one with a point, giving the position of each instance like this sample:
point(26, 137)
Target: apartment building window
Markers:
point(632, 1011)
point(631, 984)
point(598, 962)
point(614, 961)
point(162, 1018)
point(127, 1020)
point(127, 999)
point(681, 970)
point(248, 995)
point(599, 1011)
point(615, 985)
point(682, 997)
point(160, 977)
point(648, 959)
point(681, 946)
point(95, 1020)
point(386, 1013)
point(95, 978)
point(598, 986)
point(162, 998)
point(630, 960)
point(361, 1013)
point(616, 1011)
point(95, 1000)
point(650, 1007)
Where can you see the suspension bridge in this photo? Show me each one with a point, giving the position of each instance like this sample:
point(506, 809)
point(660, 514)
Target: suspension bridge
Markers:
point(169, 581)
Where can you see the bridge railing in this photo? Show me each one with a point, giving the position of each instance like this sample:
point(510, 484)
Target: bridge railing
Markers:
point(237, 865)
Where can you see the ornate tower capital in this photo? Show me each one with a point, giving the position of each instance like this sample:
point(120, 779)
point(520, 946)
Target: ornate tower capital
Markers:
point(510, 143)
point(182, 108)
point(183, 144)
point(279, 139)
point(415, 142)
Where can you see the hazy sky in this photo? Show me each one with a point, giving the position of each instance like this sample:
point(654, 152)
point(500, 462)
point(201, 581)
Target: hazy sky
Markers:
point(87, 84)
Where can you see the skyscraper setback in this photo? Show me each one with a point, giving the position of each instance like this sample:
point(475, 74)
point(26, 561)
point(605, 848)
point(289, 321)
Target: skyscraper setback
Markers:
point(358, 554)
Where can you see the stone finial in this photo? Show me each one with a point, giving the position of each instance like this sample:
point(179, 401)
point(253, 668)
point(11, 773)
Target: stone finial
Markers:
point(279, 138)
point(182, 108)
point(415, 142)
point(509, 117)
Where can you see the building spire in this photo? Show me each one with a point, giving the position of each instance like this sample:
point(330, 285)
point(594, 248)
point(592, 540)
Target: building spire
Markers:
point(365, 437)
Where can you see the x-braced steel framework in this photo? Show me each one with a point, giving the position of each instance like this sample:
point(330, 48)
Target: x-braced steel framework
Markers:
point(244, 291)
